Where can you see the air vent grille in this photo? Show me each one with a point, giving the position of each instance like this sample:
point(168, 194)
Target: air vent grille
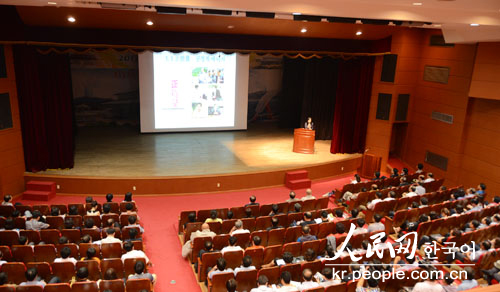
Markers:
point(445, 118)
point(436, 160)
point(436, 74)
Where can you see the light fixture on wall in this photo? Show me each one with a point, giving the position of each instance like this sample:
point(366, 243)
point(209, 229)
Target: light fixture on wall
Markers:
point(71, 19)
point(149, 22)
point(304, 30)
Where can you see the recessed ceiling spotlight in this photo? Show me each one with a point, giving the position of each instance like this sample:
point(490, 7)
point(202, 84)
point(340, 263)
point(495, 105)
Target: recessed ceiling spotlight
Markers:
point(149, 22)
point(230, 26)
point(474, 24)
point(297, 13)
point(304, 30)
point(71, 19)
point(417, 4)
point(359, 33)
point(52, 3)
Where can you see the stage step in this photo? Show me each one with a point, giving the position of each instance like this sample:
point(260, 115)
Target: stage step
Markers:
point(298, 174)
point(38, 195)
point(298, 184)
point(44, 186)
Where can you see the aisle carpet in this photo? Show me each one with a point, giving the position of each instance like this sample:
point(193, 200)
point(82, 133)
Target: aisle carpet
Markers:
point(159, 215)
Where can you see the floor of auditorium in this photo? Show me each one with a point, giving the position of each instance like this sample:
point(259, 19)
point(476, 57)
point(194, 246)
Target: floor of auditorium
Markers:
point(122, 151)
point(159, 215)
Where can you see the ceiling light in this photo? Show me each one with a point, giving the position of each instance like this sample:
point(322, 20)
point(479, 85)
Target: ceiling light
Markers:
point(474, 24)
point(230, 26)
point(359, 33)
point(71, 19)
point(297, 13)
point(52, 3)
point(417, 4)
point(149, 22)
point(359, 21)
point(304, 30)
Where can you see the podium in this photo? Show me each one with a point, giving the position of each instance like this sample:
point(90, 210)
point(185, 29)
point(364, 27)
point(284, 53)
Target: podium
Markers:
point(303, 141)
point(369, 165)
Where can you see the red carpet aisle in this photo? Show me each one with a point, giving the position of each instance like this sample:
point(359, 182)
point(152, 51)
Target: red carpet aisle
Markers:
point(159, 216)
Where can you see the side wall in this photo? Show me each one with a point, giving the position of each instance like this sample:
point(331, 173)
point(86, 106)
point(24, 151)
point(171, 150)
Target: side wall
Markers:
point(11, 144)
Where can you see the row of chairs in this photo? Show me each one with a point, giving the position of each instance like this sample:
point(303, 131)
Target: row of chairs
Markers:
point(135, 285)
point(66, 271)
point(44, 209)
point(381, 183)
point(51, 236)
point(57, 222)
point(49, 252)
point(263, 210)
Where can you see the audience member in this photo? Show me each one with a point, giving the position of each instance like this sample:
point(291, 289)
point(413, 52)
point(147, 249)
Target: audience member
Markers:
point(252, 202)
point(308, 282)
point(274, 224)
point(308, 195)
point(32, 279)
point(306, 236)
point(292, 197)
point(7, 200)
point(247, 265)
point(286, 285)
point(377, 225)
point(139, 268)
point(263, 285)
point(469, 282)
point(219, 268)
point(131, 253)
point(65, 256)
point(238, 228)
point(232, 245)
point(109, 197)
point(213, 217)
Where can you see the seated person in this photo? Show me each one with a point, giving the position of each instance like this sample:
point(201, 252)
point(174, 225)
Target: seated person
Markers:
point(238, 228)
point(256, 240)
point(372, 285)
point(106, 209)
point(91, 255)
point(35, 223)
point(324, 217)
point(32, 279)
point(109, 197)
point(90, 224)
point(252, 202)
point(339, 215)
point(230, 285)
point(430, 177)
point(94, 209)
point(310, 255)
point(391, 196)
point(420, 168)
point(129, 210)
point(73, 210)
point(292, 196)
point(232, 245)
point(419, 188)
point(140, 274)
point(377, 225)
point(213, 217)
point(109, 275)
point(286, 259)
point(7, 200)
point(82, 275)
point(191, 219)
point(297, 208)
point(308, 195)
point(219, 268)
point(308, 281)
point(110, 237)
point(263, 285)
point(357, 179)
point(274, 210)
point(307, 219)
point(378, 199)
point(247, 265)
point(469, 282)
point(249, 213)
point(128, 197)
point(132, 223)
point(326, 278)
point(131, 253)
point(361, 226)
point(69, 223)
point(274, 224)
point(132, 233)
point(207, 248)
point(286, 285)
point(65, 256)
point(306, 236)
point(9, 224)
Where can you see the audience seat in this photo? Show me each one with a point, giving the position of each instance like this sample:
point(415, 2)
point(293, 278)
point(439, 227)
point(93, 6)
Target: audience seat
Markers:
point(263, 234)
point(23, 253)
point(263, 222)
point(282, 219)
point(233, 258)
point(84, 287)
point(313, 244)
point(294, 217)
point(83, 247)
point(45, 253)
point(105, 217)
point(246, 280)
point(265, 209)
point(218, 282)
point(9, 237)
point(308, 205)
point(95, 218)
point(93, 268)
point(342, 287)
point(77, 220)
point(29, 288)
point(326, 229)
point(7, 255)
point(219, 241)
point(115, 207)
point(129, 264)
point(257, 255)
point(43, 208)
point(243, 239)
point(73, 247)
point(55, 222)
point(123, 206)
point(73, 235)
point(227, 225)
point(20, 223)
point(183, 219)
point(94, 233)
point(7, 289)
point(6, 211)
point(15, 272)
point(63, 209)
point(215, 227)
point(190, 228)
point(322, 203)
point(294, 269)
point(50, 236)
point(314, 266)
point(60, 287)
point(111, 250)
point(272, 274)
point(113, 285)
point(249, 223)
point(276, 236)
point(271, 252)
point(208, 260)
point(292, 233)
point(293, 247)
point(317, 289)
point(138, 285)
point(116, 264)
point(65, 271)
point(44, 270)
point(80, 207)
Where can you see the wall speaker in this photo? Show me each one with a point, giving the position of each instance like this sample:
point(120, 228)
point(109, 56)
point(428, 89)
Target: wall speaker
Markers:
point(383, 106)
point(402, 108)
point(389, 68)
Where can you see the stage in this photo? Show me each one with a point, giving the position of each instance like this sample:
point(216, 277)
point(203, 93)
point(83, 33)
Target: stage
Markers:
point(123, 154)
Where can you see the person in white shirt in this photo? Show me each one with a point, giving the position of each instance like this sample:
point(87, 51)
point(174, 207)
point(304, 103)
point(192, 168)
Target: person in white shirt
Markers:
point(391, 196)
point(430, 285)
point(326, 278)
point(308, 195)
point(263, 285)
point(361, 223)
point(31, 278)
point(419, 189)
point(232, 245)
point(378, 199)
point(420, 168)
point(286, 286)
point(308, 282)
point(132, 253)
point(110, 238)
point(357, 179)
point(65, 256)
point(377, 225)
point(219, 268)
point(430, 177)
point(247, 265)
point(132, 223)
point(238, 228)
point(412, 192)
point(7, 200)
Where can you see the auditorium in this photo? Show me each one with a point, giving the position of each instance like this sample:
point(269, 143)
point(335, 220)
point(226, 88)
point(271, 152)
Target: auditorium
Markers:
point(213, 146)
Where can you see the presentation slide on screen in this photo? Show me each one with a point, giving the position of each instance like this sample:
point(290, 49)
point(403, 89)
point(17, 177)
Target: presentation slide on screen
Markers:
point(193, 92)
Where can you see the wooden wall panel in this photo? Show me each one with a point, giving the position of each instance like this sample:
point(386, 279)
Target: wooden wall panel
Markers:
point(486, 76)
point(11, 145)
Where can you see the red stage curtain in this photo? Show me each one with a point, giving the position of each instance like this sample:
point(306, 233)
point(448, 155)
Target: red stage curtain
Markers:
point(352, 105)
point(45, 105)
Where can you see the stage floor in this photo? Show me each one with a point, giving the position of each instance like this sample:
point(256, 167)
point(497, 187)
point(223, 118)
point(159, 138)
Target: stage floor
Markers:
point(125, 152)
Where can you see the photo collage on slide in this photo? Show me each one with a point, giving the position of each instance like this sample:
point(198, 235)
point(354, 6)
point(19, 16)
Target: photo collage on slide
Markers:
point(207, 99)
